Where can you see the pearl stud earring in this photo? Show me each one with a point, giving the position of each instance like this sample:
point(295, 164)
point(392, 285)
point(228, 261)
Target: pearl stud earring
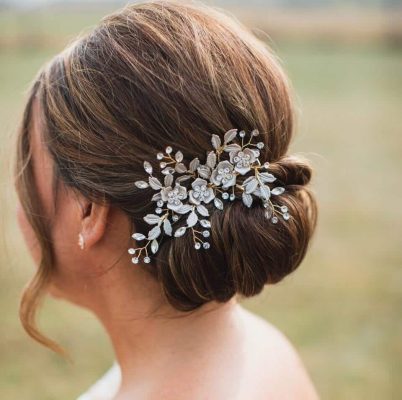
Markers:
point(81, 241)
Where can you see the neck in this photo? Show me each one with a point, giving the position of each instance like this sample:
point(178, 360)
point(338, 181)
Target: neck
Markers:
point(148, 335)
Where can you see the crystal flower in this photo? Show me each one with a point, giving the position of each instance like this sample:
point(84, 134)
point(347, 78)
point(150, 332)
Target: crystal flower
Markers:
point(242, 160)
point(174, 196)
point(223, 175)
point(200, 192)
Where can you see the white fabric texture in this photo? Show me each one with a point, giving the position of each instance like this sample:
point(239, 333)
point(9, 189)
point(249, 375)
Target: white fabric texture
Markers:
point(106, 387)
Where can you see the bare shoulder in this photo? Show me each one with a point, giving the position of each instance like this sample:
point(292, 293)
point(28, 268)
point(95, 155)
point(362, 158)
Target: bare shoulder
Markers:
point(278, 368)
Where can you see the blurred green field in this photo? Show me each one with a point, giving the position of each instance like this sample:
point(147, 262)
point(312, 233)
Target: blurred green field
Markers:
point(341, 309)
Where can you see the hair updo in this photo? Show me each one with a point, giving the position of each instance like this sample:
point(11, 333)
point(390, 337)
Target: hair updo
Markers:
point(163, 73)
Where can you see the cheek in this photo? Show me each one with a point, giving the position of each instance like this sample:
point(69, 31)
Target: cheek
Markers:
point(28, 234)
point(65, 250)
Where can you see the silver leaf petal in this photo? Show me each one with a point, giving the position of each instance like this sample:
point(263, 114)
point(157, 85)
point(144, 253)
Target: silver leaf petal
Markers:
point(203, 210)
point(204, 171)
point(248, 180)
point(151, 219)
point(247, 199)
point(182, 178)
point(141, 184)
point(180, 168)
point(138, 236)
point(154, 232)
point(167, 227)
point(192, 219)
point(216, 141)
point(184, 209)
point(232, 147)
point(156, 196)
point(268, 212)
point(179, 156)
point(251, 185)
point(211, 159)
point(154, 183)
point(168, 180)
point(180, 232)
point(154, 246)
point(205, 223)
point(230, 135)
point(265, 192)
point(278, 190)
point(168, 170)
point(194, 164)
point(148, 167)
point(267, 177)
point(218, 203)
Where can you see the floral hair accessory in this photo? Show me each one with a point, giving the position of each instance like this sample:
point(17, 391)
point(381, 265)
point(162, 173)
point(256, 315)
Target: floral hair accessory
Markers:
point(213, 182)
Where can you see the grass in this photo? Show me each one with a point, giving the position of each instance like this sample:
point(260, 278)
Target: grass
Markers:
point(341, 309)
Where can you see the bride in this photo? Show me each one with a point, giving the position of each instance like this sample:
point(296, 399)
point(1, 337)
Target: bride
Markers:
point(157, 191)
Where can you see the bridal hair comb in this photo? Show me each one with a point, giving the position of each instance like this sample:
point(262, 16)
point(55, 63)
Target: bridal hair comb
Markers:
point(213, 182)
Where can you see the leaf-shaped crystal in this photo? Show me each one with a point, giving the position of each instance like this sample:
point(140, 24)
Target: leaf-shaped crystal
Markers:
point(194, 164)
point(168, 170)
point(232, 147)
point(138, 236)
point(268, 212)
point(184, 209)
point(180, 168)
point(178, 156)
point(216, 141)
point(151, 219)
point(180, 232)
point(229, 135)
point(154, 232)
point(154, 183)
point(167, 227)
point(148, 167)
point(267, 177)
point(141, 184)
point(247, 199)
point(218, 203)
point(203, 210)
point(205, 223)
point(248, 180)
point(204, 171)
point(154, 246)
point(278, 190)
point(251, 186)
point(182, 178)
point(192, 219)
point(265, 192)
point(168, 180)
point(156, 196)
point(211, 159)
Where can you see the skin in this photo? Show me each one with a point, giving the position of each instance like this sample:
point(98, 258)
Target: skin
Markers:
point(221, 351)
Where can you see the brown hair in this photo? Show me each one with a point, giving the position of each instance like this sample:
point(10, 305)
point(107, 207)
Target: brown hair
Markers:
point(166, 73)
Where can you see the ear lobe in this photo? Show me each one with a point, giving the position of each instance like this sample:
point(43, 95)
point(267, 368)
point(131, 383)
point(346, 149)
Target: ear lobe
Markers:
point(94, 221)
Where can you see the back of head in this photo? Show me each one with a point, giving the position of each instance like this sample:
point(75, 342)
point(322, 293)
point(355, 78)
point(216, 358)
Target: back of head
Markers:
point(164, 73)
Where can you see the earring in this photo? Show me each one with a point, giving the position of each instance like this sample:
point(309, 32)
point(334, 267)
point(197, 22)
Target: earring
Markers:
point(81, 241)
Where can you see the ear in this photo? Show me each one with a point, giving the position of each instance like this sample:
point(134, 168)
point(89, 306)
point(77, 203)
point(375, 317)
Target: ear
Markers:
point(94, 220)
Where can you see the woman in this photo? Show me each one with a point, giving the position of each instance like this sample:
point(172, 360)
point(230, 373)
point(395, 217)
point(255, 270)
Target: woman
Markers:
point(156, 91)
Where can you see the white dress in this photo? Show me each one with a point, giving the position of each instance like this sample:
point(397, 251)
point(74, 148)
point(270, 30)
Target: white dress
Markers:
point(106, 387)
